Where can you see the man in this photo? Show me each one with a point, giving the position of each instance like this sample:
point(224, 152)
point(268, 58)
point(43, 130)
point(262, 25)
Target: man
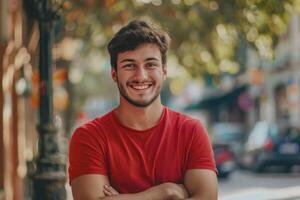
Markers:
point(141, 150)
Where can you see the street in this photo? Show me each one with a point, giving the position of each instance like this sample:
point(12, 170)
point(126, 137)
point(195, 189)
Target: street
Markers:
point(243, 184)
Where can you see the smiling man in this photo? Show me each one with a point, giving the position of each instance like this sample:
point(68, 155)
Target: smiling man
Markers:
point(141, 150)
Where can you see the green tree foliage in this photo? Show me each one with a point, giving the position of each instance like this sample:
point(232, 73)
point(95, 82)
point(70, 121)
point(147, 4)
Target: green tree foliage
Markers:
point(209, 37)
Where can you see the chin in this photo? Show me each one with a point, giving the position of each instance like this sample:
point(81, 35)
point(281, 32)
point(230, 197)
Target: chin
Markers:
point(142, 103)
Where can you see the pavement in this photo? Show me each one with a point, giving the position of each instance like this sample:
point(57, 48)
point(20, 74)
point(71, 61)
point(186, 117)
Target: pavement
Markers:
point(288, 193)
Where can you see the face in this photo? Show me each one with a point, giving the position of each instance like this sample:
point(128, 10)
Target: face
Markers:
point(140, 75)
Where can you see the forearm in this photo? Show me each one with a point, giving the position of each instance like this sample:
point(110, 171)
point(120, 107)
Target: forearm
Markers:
point(201, 198)
point(137, 196)
point(160, 192)
point(165, 191)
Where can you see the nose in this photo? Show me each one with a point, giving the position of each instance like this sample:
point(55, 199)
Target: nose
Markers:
point(141, 73)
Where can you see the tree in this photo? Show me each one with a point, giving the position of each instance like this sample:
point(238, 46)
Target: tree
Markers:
point(208, 37)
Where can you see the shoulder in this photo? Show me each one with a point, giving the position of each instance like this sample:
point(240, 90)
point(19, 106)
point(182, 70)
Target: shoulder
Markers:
point(93, 129)
point(183, 120)
point(187, 128)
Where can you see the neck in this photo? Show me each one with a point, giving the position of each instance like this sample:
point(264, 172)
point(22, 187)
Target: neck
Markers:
point(139, 118)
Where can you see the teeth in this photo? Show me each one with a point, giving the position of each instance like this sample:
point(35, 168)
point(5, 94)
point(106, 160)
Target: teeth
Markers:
point(140, 87)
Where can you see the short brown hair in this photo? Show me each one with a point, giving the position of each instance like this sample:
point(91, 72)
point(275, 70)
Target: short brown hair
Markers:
point(135, 34)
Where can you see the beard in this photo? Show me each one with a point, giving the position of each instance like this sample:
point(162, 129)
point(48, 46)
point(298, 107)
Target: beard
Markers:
point(138, 103)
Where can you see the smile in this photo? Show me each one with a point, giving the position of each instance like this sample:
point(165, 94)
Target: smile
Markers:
point(140, 87)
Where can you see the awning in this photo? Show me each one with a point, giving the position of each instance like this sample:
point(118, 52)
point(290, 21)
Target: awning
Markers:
point(218, 98)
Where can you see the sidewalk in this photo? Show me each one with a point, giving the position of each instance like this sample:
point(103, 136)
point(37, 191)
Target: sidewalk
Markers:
point(289, 193)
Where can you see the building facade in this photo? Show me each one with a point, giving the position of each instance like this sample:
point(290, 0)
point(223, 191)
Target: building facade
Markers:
point(18, 44)
point(275, 86)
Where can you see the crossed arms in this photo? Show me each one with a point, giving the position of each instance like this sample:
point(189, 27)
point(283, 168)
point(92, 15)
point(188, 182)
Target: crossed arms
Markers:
point(199, 184)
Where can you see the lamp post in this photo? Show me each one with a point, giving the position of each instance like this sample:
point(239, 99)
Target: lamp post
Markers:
point(49, 177)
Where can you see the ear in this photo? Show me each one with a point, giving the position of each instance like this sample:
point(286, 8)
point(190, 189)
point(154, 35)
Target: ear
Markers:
point(164, 72)
point(114, 74)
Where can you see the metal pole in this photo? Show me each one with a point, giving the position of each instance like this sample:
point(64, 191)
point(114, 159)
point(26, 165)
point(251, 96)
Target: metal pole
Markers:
point(50, 175)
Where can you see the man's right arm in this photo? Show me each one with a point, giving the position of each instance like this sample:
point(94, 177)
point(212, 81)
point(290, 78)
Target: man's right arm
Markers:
point(90, 187)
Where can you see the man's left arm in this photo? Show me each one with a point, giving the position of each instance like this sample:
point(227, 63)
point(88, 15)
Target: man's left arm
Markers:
point(201, 184)
point(200, 178)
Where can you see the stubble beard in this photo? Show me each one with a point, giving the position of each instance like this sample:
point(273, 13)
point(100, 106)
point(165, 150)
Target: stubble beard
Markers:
point(143, 104)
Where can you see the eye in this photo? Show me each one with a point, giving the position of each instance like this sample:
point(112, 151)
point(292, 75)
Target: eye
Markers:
point(129, 66)
point(151, 65)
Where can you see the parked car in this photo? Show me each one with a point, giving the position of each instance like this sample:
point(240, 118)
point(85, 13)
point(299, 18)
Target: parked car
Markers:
point(224, 160)
point(270, 144)
point(229, 133)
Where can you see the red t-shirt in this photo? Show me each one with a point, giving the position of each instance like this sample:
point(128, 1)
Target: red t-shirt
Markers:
point(137, 160)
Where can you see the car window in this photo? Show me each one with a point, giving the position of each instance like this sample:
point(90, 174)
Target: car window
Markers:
point(292, 133)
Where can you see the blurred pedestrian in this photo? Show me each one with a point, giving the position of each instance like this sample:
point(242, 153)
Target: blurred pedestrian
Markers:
point(141, 149)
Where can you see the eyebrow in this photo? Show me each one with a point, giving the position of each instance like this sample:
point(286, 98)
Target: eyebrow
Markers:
point(127, 60)
point(152, 58)
point(132, 60)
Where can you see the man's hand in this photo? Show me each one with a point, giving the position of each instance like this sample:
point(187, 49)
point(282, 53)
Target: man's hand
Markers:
point(176, 191)
point(182, 192)
point(109, 191)
point(170, 191)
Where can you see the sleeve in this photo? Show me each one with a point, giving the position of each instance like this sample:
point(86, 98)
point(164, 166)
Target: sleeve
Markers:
point(200, 154)
point(86, 154)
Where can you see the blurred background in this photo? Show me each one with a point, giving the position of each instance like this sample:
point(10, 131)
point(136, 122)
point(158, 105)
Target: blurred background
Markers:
point(234, 65)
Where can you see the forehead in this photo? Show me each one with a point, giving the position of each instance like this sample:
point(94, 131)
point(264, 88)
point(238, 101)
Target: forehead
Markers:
point(141, 53)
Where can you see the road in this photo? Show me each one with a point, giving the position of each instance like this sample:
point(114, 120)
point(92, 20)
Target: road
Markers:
point(242, 182)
